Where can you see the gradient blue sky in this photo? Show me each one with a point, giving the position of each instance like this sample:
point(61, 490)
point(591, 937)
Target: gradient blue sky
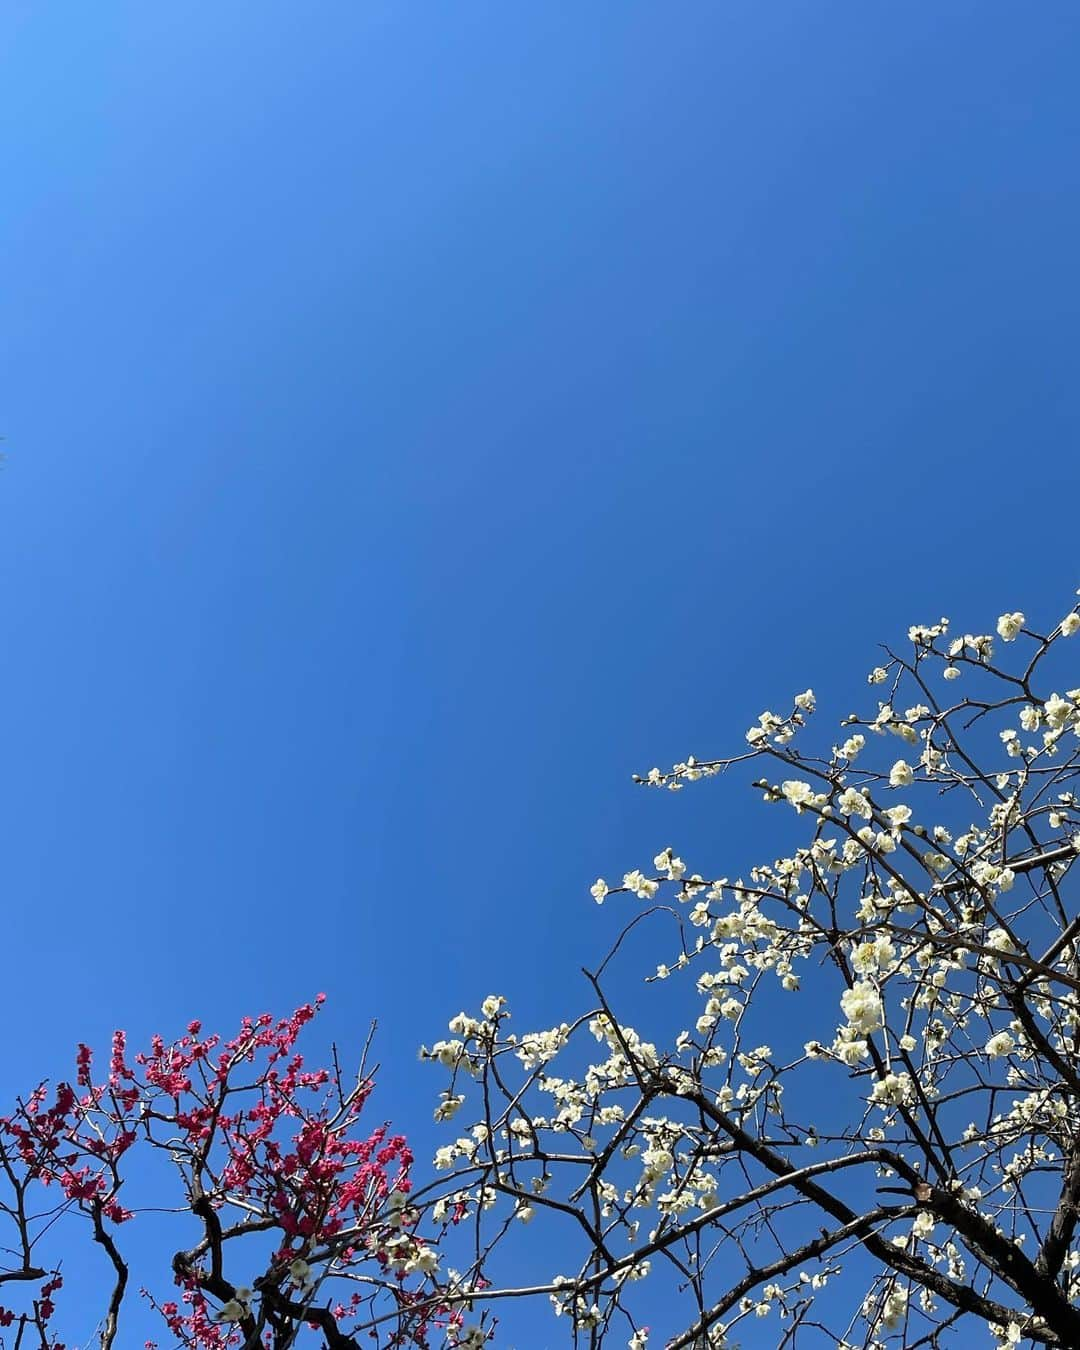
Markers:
point(419, 417)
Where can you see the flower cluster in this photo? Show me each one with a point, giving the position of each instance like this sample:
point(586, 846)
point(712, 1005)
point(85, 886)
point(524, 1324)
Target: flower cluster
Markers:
point(295, 1199)
point(927, 914)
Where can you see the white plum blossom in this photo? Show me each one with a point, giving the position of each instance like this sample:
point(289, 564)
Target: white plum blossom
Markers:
point(894, 1309)
point(666, 861)
point(538, 1047)
point(448, 1108)
point(799, 794)
point(895, 1089)
point(869, 957)
point(850, 1049)
point(638, 884)
point(232, 1311)
point(1011, 742)
point(861, 1005)
point(1009, 625)
point(1057, 711)
point(897, 816)
point(448, 1053)
point(853, 803)
point(901, 774)
point(768, 725)
point(1000, 941)
point(946, 952)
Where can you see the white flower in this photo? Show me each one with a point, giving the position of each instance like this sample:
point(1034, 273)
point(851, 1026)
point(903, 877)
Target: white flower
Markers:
point(951, 672)
point(1001, 1044)
point(448, 1108)
point(851, 1051)
point(868, 957)
point(999, 941)
point(768, 723)
point(861, 1005)
point(1009, 625)
point(425, 1261)
point(657, 1162)
point(233, 1311)
point(805, 700)
point(893, 1090)
point(1070, 624)
point(799, 794)
point(901, 774)
point(538, 1047)
point(1011, 742)
point(638, 884)
point(300, 1272)
point(894, 1308)
point(852, 746)
point(448, 1053)
point(667, 861)
point(877, 676)
point(853, 803)
point(461, 1024)
point(898, 816)
point(598, 890)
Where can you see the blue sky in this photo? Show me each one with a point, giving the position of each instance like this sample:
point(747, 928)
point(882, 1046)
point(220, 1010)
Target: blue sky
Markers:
point(421, 417)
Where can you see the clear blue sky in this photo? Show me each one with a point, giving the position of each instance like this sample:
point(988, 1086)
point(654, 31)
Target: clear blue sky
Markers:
point(419, 417)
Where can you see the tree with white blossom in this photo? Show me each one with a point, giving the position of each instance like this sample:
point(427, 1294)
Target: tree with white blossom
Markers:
point(864, 1128)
